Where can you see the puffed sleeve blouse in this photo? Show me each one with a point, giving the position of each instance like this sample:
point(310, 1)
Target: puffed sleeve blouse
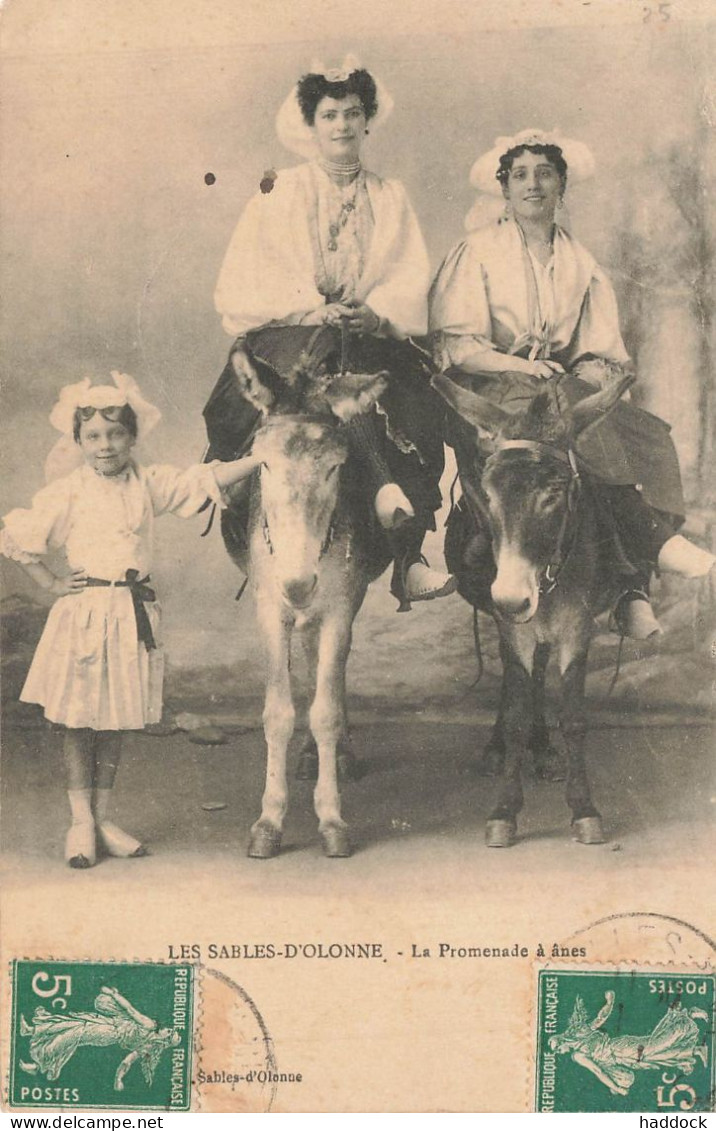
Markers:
point(106, 523)
point(491, 293)
point(307, 241)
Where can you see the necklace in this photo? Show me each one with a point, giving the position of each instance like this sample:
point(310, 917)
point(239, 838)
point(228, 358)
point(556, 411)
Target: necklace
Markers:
point(347, 207)
point(336, 169)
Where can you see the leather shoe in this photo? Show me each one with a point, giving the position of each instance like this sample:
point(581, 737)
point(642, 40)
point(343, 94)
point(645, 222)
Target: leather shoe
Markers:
point(425, 584)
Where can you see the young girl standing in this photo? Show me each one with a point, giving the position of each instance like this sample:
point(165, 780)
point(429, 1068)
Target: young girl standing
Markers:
point(98, 667)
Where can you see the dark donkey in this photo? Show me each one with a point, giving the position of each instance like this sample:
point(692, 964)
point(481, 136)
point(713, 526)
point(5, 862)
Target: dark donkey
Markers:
point(552, 577)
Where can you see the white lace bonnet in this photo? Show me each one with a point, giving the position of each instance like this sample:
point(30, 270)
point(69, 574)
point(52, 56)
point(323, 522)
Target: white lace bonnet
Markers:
point(292, 130)
point(66, 455)
point(483, 175)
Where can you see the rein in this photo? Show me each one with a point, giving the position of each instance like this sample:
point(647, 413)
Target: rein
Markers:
point(567, 535)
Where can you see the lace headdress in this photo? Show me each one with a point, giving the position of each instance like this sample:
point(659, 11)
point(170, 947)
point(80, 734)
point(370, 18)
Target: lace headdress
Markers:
point(291, 128)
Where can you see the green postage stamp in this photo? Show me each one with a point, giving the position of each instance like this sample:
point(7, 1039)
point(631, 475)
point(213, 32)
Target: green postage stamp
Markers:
point(102, 1035)
point(625, 1041)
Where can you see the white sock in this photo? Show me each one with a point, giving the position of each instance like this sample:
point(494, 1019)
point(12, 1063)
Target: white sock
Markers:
point(81, 805)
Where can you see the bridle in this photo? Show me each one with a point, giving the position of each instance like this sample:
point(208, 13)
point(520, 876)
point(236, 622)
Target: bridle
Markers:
point(569, 527)
point(299, 418)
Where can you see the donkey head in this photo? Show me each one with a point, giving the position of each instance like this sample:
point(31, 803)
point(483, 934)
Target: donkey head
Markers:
point(301, 447)
point(530, 482)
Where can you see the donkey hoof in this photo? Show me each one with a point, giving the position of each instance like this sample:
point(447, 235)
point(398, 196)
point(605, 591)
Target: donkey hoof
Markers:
point(264, 842)
point(500, 834)
point(307, 766)
point(336, 842)
point(588, 830)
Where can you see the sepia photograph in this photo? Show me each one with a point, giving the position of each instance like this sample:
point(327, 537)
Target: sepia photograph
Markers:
point(384, 780)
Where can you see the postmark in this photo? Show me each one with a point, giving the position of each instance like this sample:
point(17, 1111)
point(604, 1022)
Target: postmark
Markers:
point(102, 1035)
point(236, 1069)
point(625, 1040)
point(649, 938)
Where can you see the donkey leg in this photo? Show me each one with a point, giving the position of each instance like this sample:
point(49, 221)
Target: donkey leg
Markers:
point(307, 764)
point(586, 820)
point(327, 718)
point(278, 719)
point(548, 762)
point(501, 827)
point(490, 760)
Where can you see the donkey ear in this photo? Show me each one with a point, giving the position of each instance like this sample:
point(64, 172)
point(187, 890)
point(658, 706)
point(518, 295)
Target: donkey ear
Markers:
point(252, 383)
point(589, 411)
point(351, 394)
point(473, 408)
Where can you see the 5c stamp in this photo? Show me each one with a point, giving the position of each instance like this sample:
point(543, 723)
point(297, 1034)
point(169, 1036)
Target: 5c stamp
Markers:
point(101, 1035)
point(625, 1040)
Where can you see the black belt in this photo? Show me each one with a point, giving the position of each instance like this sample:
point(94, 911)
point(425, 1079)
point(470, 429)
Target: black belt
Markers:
point(140, 592)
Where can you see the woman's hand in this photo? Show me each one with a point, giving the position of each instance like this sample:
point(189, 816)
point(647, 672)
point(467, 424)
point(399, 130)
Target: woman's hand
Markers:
point(361, 319)
point(318, 317)
point(543, 368)
point(328, 315)
point(71, 585)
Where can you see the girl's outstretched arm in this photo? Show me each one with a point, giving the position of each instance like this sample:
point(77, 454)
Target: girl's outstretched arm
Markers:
point(234, 470)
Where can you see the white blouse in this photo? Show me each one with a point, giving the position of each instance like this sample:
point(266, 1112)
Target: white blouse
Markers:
point(106, 523)
point(280, 263)
point(491, 293)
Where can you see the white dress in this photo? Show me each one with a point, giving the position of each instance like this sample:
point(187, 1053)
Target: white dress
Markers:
point(90, 669)
point(283, 260)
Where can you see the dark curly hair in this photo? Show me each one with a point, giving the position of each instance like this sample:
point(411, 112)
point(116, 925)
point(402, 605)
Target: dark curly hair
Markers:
point(553, 153)
point(312, 88)
point(121, 414)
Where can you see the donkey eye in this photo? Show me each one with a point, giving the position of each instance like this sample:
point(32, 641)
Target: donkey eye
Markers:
point(550, 500)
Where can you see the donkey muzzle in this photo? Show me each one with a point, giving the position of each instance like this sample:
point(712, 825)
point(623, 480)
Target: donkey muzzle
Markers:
point(514, 607)
point(299, 590)
point(515, 591)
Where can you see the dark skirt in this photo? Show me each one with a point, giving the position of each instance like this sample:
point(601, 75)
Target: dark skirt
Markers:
point(408, 422)
point(629, 447)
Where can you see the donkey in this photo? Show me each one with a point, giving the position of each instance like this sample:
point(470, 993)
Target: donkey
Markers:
point(310, 556)
point(552, 576)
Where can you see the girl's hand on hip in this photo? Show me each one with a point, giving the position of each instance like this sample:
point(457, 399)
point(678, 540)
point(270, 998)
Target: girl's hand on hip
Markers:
point(71, 585)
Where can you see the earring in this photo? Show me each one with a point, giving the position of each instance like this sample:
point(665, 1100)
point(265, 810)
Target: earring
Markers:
point(560, 202)
point(507, 210)
point(367, 131)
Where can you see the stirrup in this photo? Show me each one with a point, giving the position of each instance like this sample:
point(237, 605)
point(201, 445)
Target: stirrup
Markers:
point(633, 616)
point(81, 845)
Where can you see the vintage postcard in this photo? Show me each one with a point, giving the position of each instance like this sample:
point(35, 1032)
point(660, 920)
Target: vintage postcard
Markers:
point(420, 818)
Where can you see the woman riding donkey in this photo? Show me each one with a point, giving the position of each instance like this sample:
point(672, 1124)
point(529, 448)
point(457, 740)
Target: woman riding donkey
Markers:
point(329, 245)
point(521, 301)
